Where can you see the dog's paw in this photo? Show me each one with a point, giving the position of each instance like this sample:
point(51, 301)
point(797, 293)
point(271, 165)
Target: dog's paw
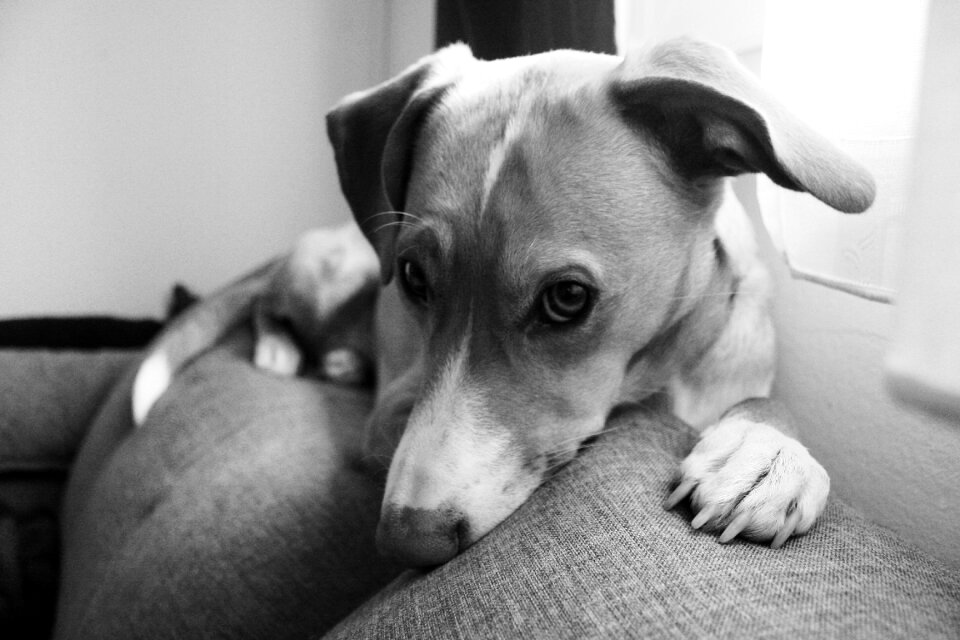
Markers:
point(345, 366)
point(748, 479)
point(277, 353)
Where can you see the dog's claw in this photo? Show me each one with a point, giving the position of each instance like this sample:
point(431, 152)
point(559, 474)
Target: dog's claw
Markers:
point(743, 476)
point(678, 494)
point(706, 515)
point(734, 528)
point(789, 526)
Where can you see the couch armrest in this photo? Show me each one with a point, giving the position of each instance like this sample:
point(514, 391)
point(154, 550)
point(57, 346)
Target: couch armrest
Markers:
point(240, 509)
point(48, 400)
point(593, 554)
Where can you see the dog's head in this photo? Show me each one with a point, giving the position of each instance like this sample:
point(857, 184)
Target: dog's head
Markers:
point(545, 220)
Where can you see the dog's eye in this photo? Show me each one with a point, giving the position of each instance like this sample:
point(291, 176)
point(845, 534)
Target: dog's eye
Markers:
point(414, 281)
point(564, 302)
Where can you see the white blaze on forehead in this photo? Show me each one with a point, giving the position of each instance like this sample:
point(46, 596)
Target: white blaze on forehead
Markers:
point(452, 455)
point(497, 157)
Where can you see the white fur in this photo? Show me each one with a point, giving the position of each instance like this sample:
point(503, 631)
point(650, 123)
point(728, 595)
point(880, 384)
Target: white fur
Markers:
point(277, 353)
point(449, 437)
point(747, 470)
point(344, 366)
point(153, 378)
point(495, 164)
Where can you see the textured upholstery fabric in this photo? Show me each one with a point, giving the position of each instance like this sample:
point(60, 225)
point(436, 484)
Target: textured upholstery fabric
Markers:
point(49, 399)
point(594, 555)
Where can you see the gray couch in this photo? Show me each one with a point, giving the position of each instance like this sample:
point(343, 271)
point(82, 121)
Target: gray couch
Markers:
point(243, 509)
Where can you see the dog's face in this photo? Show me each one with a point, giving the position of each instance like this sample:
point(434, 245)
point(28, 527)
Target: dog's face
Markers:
point(550, 233)
point(536, 271)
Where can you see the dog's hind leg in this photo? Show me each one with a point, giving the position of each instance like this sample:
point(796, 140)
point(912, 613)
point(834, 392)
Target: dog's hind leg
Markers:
point(275, 349)
point(316, 311)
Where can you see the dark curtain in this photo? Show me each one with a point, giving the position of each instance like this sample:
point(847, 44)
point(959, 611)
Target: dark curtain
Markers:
point(507, 28)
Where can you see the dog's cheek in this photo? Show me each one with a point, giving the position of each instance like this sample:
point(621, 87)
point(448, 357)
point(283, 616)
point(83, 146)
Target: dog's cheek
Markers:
point(383, 431)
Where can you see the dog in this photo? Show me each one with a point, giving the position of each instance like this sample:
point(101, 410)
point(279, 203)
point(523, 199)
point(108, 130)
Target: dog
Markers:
point(309, 310)
point(554, 238)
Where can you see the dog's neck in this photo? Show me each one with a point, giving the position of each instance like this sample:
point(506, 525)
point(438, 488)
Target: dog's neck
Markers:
point(692, 327)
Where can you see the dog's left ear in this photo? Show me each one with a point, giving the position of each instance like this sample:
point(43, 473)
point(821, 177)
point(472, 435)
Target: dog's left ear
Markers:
point(374, 132)
point(715, 119)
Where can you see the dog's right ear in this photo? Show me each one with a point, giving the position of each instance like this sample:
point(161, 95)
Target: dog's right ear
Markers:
point(716, 120)
point(373, 134)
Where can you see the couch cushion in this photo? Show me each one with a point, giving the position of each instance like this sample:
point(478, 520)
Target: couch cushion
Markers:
point(239, 509)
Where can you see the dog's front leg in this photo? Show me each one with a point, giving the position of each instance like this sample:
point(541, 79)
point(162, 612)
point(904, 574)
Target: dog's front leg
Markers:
point(747, 476)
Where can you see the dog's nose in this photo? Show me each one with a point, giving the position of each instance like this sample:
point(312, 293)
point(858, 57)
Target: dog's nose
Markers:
point(420, 537)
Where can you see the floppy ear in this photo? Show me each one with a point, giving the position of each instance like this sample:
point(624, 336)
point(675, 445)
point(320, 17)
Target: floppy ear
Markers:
point(373, 134)
point(715, 119)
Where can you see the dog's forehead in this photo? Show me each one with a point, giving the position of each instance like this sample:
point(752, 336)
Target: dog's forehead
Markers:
point(484, 107)
point(505, 85)
point(525, 171)
point(533, 144)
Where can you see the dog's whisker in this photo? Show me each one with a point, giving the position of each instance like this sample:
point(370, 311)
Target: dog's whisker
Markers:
point(405, 214)
point(405, 250)
point(402, 217)
point(395, 223)
point(568, 457)
point(552, 469)
point(562, 446)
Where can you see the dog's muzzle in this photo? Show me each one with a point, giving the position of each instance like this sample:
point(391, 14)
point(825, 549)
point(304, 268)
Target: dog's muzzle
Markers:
point(421, 537)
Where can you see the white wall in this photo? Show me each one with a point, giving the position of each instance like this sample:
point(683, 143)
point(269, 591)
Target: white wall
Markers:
point(410, 36)
point(147, 142)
